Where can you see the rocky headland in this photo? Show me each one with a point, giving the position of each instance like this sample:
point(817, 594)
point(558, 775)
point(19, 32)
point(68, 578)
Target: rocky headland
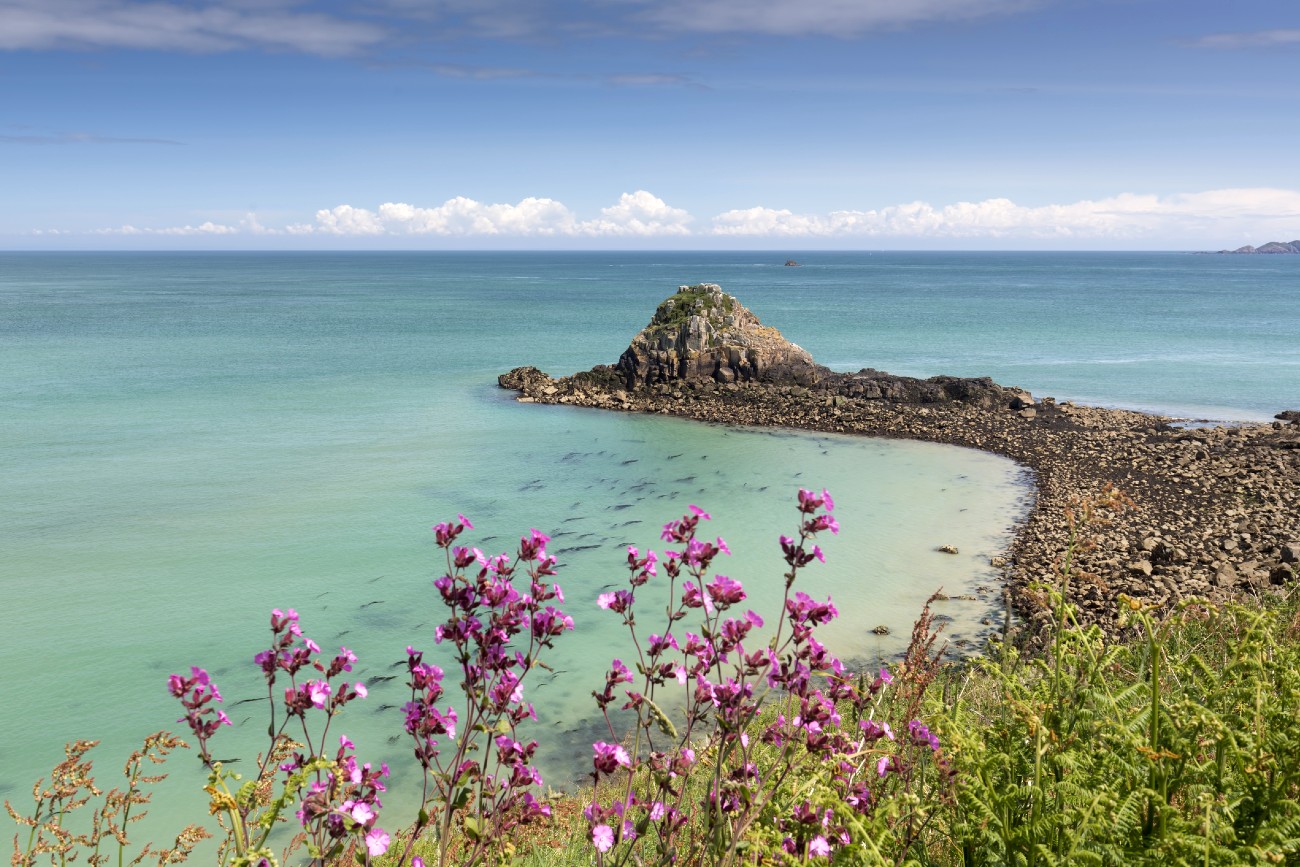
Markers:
point(1270, 247)
point(1215, 510)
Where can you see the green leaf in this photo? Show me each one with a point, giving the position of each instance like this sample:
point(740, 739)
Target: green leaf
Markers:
point(472, 828)
point(461, 799)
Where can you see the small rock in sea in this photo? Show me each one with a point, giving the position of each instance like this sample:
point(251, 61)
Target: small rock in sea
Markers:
point(882, 629)
point(790, 263)
point(997, 562)
point(947, 549)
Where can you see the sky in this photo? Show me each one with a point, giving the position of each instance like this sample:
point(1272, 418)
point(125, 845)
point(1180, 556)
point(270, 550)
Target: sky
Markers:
point(648, 124)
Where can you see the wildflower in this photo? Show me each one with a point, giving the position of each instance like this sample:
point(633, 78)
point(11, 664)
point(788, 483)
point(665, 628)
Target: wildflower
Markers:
point(921, 735)
point(619, 601)
point(609, 757)
point(603, 837)
point(725, 591)
point(319, 691)
point(377, 842)
point(819, 847)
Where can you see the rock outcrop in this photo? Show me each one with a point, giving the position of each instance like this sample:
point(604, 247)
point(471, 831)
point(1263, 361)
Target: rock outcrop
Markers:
point(702, 333)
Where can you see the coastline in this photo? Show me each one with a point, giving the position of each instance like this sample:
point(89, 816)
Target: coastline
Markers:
point(1213, 514)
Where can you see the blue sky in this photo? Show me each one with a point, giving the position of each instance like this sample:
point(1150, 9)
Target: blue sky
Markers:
point(628, 124)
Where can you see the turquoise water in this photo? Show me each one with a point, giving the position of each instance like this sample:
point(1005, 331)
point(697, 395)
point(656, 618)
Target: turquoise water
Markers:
point(189, 440)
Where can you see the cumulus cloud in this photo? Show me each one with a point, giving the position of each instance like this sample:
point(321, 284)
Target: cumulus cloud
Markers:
point(458, 216)
point(167, 25)
point(816, 17)
point(1127, 215)
point(248, 225)
point(1254, 39)
point(639, 213)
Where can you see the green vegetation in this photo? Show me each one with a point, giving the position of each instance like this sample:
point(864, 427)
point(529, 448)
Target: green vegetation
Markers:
point(699, 300)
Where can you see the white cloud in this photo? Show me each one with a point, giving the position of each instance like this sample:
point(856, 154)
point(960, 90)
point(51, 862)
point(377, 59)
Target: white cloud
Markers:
point(1126, 215)
point(248, 225)
point(464, 216)
point(1253, 39)
point(639, 213)
point(167, 25)
point(1208, 217)
point(347, 220)
point(816, 17)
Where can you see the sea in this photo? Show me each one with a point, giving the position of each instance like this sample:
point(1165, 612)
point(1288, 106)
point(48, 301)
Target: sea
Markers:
point(188, 440)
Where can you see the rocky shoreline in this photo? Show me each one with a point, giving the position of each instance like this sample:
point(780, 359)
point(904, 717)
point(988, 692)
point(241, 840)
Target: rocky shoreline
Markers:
point(1215, 512)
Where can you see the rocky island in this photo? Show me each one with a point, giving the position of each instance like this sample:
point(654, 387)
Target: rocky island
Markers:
point(1215, 511)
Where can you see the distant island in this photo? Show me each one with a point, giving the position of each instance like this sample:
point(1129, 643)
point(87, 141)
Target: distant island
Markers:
point(1270, 247)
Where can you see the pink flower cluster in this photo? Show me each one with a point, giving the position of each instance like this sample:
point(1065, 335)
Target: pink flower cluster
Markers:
point(342, 803)
point(718, 675)
point(291, 652)
point(197, 693)
point(496, 632)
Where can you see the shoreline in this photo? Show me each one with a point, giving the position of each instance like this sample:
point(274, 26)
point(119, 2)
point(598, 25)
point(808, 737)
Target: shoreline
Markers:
point(1215, 511)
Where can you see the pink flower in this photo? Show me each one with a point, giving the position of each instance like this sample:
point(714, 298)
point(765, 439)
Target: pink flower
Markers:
point(819, 847)
point(361, 813)
point(319, 691)
point(361, 690)
point(465, 522)
point(377, 842)
point(700, 513)
point(609, 757)
point(603, 837)
point(725, 591)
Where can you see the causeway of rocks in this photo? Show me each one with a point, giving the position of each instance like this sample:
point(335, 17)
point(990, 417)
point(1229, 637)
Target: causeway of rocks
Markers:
point(1215, 511)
